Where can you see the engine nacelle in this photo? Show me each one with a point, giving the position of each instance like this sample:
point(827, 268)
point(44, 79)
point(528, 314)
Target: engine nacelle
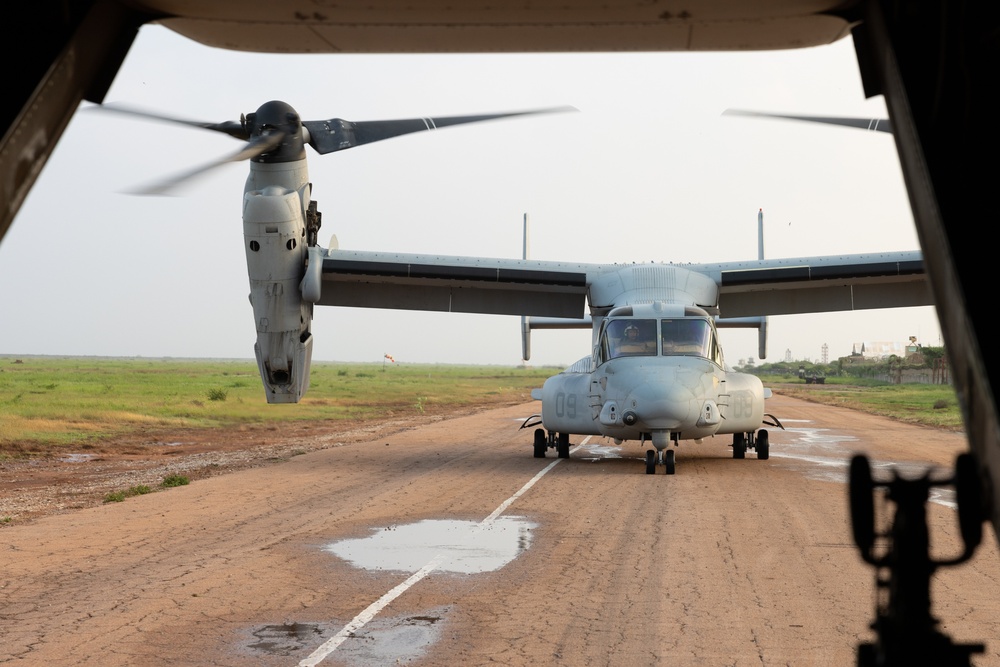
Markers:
point(274, 232)
point(566, 404)
point(743, 411)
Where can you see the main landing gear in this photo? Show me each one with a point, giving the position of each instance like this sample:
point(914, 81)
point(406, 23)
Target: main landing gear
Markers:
point(560, 441)
point(744, 441)
point(666, 457)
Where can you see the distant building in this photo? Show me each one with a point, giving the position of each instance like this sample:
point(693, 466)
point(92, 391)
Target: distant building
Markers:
point(879, 349)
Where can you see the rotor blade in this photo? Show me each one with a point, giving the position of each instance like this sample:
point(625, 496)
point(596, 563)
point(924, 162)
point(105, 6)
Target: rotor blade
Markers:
point(873, 124)
point(256, 146)
point(336, 134)
point(231, 127)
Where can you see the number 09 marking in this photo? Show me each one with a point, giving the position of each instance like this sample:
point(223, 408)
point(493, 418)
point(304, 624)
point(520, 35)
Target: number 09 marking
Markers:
point(742, 404)
point(566, 405)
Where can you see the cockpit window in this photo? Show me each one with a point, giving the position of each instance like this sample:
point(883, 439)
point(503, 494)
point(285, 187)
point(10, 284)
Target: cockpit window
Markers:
point(629, 338)
point(690, 337)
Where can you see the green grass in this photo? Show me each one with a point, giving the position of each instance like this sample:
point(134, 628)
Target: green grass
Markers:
point(53, 401)
point(48, 402)
point(119, 496)
point(217, 394)
point(927, 404)
point(171, 481)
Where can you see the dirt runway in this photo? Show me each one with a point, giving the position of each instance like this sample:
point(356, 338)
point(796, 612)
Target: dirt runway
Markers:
point(725, 563)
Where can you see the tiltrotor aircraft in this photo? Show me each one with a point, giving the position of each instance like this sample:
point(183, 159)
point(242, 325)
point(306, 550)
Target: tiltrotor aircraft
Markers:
point(656, 371)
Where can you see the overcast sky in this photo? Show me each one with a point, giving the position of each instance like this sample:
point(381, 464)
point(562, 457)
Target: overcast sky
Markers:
point(649, 169)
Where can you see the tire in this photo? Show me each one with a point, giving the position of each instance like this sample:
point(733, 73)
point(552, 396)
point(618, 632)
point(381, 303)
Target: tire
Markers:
point(562, 445)
point(540, 444)
point(650, 462)
point(671, 462)
point(763, 446)
point(739, 446)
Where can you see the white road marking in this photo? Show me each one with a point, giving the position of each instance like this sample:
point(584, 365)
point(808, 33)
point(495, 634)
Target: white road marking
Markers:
point(359, 621)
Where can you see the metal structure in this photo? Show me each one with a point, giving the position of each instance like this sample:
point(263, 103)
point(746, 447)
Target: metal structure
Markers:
point(907, 633)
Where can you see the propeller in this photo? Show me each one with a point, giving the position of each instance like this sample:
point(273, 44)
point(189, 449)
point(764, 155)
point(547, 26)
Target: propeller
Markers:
point(275, 133)
point(873, 124)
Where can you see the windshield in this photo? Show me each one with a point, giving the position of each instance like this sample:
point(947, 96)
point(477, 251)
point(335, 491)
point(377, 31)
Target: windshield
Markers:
point(681, 336)
point(629, 338)
point(691, 337)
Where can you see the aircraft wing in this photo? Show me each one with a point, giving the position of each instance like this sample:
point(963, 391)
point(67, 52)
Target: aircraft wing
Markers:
point(820, 284)
point(454, 284)
point(560, 289)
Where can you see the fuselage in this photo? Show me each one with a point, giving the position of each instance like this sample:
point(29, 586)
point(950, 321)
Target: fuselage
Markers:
point(656, 374)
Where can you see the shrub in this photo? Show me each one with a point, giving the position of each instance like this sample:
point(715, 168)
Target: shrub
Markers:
point(119, 496)
point(174, 480)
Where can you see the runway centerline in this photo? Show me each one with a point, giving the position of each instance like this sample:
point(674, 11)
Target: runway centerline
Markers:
point(359, 621)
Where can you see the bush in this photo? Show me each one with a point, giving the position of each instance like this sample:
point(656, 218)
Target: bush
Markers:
point(119, 496)
point(115, 497)
point(174, 480)
point(217, 394)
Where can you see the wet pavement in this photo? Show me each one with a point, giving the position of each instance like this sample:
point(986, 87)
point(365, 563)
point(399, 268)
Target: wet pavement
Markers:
point(467, 547)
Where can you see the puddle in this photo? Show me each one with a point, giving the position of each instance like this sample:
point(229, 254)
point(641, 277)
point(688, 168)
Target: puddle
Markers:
point(818, 437)
point(76, 458)
point(392, 641)
point(831, 462)
point(944, 496)
point(287, 639)
point(822, 468)
point(595, 453)
point(384, 641)
point(468, 546)
point(835, 468)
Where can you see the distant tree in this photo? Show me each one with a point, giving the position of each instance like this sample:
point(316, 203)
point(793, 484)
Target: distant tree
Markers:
point(932, 354)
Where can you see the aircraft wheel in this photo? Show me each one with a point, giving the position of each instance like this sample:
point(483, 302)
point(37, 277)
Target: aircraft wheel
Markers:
point(650, 462)
point(763, 447)
point(739, 446)
point(540, 444)
point(562, 447)
point(669, 461)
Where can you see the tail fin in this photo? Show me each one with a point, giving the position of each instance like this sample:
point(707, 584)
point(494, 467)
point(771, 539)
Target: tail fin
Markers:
point(760, 234)
point(525, 324)
point(762, 329)
point(525, 246)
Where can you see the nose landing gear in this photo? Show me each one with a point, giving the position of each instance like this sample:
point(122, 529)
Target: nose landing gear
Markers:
point(666, 457)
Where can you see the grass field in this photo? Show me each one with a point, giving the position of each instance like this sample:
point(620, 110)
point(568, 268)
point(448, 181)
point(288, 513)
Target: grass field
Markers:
point(61, 400)
point(928, 404)
point(56, 400)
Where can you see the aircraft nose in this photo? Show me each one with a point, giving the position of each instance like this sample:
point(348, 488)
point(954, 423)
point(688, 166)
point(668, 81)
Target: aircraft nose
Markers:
point(665, 405)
